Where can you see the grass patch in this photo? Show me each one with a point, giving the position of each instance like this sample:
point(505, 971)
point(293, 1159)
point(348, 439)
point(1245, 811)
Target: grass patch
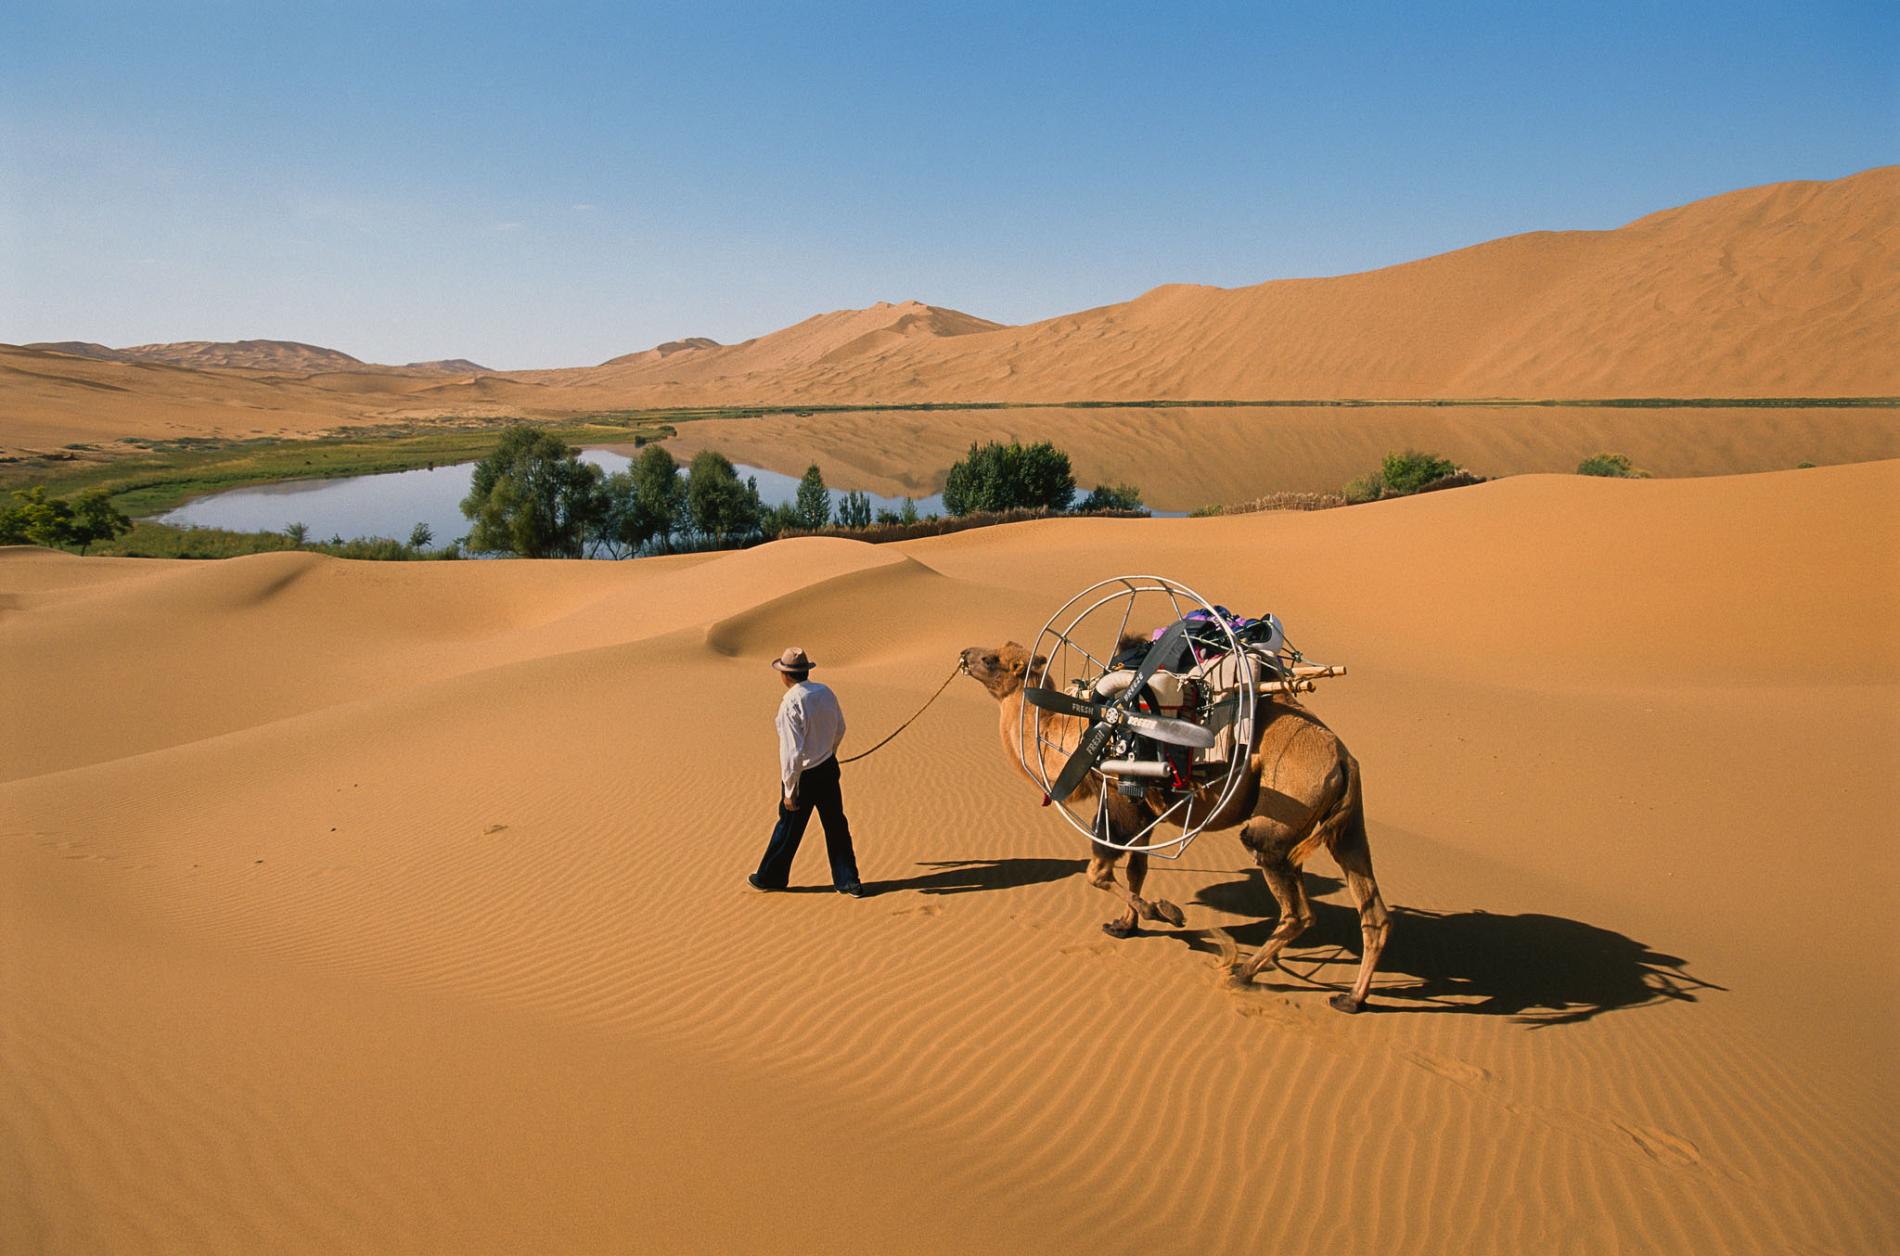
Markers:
point(162, 540)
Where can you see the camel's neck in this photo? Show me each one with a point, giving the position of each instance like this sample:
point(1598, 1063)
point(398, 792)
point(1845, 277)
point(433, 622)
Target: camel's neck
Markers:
point(1058, 733)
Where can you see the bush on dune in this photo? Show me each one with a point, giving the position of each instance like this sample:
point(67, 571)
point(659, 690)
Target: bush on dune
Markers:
point(1406, 472)
point(1612, 466)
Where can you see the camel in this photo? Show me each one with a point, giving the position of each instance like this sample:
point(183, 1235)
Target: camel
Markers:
point(1301, 793)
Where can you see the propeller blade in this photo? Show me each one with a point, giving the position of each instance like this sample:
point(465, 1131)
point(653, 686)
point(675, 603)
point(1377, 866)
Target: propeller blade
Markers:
point(1165, 646)
point(1062, 703)
point(1174, 732)
point(1089, 753)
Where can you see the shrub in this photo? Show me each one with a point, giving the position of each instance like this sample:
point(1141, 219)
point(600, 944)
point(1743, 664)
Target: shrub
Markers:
point(1410, 470)
point(1110, 497)
point(421, 536)
point(1010, 477)
point(1367, 488)
point(1614, 466)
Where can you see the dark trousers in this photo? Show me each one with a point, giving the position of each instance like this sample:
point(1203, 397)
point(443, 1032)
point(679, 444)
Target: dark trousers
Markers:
point(817, 790)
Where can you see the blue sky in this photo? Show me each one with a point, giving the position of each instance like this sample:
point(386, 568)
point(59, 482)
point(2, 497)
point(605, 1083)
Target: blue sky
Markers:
point(556, 186)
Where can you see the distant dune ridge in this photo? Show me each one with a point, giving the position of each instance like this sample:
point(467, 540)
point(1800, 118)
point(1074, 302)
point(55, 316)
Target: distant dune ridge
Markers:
point(282, 356)
point(1790, 289)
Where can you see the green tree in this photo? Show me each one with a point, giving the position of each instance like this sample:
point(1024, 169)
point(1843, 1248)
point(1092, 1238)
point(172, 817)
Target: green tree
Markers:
point(36, 519)
point(812, 503)
point(1411, 470)
point(616, 524)
point(854, 511)
point(1004, 477)
point(907, 511)
point(421, 536)
point(95, 518)
point(722, 510)
point(1614, 466)
point(658, 496)
point(296, 533)
point(1111, 497)
point(534, 497)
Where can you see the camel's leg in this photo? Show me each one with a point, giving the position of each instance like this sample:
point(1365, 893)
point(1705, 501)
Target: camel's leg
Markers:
point(1102, 877)
point(1354, 856)
point(1296, 910)
point(1155, 908)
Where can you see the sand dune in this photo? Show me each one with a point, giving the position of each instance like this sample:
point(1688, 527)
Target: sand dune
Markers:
point(1786, 290)
point(399, 906)
point(278, 357)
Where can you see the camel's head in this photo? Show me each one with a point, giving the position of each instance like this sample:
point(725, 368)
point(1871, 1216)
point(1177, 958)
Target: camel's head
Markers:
point(999, 669)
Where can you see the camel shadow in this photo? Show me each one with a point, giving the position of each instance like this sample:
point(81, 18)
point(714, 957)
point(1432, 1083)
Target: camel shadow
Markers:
point(1540, 970)
point(967, 876)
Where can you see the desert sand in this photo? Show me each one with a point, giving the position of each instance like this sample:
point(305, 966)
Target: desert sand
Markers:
point(401, 906)
point(1785, 290)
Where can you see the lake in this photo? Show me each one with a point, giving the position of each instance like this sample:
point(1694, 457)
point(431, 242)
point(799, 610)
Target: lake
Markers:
point(393, 503)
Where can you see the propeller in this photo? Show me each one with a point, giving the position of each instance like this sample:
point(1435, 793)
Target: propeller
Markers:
point(1160, 727)
point(1106, 717)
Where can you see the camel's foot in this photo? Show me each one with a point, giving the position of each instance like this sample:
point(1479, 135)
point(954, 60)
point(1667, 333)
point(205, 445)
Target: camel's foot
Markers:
point(1239, 975)
point(1344, 1003)
point(1161, 909)
point(1121, 928)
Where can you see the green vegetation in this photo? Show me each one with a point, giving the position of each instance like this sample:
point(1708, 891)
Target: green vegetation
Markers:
point(168, 473)
point(722, 510)
point(855, 510)
point(659, 497)
point(534, 497)
point(997, 477)
point(1613, 466)
point(1401, 474)
point(811, 507)
point(1105, 497)
point(33, 518)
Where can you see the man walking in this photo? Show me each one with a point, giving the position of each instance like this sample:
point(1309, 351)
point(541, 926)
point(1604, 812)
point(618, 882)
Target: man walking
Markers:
point(810, 726)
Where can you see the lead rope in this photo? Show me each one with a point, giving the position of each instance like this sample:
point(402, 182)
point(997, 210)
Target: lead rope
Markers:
point(907, 723)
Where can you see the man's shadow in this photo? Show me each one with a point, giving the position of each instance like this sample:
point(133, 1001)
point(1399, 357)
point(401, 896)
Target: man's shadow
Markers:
point(1541, 970)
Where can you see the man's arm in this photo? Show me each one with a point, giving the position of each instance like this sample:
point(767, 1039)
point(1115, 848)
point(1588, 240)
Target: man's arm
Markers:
point(791, 749)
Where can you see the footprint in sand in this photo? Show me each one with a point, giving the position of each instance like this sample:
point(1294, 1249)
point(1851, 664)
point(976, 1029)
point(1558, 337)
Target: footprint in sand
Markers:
point(1662, 1146)
point(1465, 1074)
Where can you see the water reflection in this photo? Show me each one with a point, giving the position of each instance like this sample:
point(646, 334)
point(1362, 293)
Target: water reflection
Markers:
point(393, 503)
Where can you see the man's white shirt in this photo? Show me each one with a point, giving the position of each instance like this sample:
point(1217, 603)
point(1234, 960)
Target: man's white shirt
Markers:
point(810, 727)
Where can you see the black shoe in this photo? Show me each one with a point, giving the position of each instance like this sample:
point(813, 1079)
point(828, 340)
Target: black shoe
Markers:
point(855, 891)
point(752, 879)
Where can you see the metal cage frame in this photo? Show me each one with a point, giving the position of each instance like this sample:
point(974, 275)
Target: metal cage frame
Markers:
point(1063, 667)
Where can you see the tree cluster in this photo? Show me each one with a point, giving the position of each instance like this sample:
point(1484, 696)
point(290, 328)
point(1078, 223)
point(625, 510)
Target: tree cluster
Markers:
point(36, 519)
point(534, 497)
point(996, 477)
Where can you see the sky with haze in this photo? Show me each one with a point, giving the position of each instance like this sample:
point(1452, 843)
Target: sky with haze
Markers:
point(552, 185)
